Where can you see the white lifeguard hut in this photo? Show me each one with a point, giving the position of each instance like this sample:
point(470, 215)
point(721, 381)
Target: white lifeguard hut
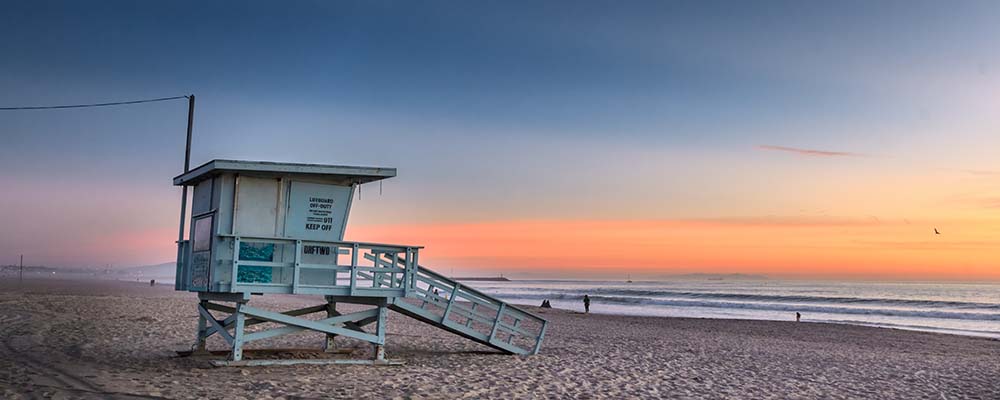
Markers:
point(264, 227)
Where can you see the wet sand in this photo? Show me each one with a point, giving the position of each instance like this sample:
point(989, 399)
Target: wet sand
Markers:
point(104, 339)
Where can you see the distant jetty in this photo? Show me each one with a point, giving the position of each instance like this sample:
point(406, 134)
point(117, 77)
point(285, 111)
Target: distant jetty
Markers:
point(483, 279)
point(719, 277)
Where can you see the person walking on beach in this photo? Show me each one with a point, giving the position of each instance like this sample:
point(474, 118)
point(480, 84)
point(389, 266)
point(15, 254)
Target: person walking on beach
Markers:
point(586, 304)
point(798, 317)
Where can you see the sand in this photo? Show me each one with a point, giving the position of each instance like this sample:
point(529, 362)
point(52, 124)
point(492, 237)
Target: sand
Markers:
point(103, 339)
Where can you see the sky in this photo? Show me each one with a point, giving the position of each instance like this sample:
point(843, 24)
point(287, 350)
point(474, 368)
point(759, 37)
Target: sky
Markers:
point(551, 139)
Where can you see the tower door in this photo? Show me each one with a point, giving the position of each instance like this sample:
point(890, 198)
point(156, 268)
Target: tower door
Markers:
point(256, 206)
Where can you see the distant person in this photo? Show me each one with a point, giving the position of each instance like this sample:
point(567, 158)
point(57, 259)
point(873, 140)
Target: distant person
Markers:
point(586, 304)
point(436, 294)
point(546, 304)
point(798, 317)
point(152, 282)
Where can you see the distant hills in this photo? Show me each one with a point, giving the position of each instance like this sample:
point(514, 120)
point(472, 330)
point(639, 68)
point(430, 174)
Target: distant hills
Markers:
point(163, 271)
point(483, 279)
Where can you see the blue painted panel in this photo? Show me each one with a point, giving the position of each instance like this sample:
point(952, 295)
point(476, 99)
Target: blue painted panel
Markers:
point(250, 251)
point(255, 252)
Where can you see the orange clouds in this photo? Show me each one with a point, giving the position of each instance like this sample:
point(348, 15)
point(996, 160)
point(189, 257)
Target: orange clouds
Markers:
point(779, 246)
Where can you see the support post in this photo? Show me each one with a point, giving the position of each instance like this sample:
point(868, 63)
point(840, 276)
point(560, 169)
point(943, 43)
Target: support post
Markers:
point(202, 328)
point(380, 329)
point(331, 311)
point(237, 354)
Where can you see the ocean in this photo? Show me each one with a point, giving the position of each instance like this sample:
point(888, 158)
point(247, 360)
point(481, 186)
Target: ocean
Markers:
point(957, 308)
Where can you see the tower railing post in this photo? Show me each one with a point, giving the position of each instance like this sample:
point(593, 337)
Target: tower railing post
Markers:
point(354, 269)
point(416, 269)
point(496, 324)
point(408, 273)
point(295, 267)
point(376, 274)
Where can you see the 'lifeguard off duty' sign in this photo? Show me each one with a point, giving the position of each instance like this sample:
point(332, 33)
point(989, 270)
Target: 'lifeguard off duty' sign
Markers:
point(317, 211)
point(320, 214)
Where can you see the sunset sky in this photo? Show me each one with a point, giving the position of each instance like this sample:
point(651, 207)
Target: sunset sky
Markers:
point(553, 140)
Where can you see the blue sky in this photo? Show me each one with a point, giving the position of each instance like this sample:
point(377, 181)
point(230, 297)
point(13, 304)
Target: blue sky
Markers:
point(498, 110)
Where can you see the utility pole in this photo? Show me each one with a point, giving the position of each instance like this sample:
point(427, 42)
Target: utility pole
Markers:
point(187, 167)
point(184, 189)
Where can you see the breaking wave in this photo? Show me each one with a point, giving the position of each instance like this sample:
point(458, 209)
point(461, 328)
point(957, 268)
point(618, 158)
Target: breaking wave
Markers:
point(628, 294)
point(802, 305)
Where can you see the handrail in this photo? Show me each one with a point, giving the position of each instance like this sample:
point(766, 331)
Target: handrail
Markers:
point(478, 293)
point(394, 273)
point(390, 271)
point(495, 311)
point(397, 262)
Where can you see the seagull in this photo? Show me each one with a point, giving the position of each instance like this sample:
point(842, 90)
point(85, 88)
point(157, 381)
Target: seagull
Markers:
point(936, 232)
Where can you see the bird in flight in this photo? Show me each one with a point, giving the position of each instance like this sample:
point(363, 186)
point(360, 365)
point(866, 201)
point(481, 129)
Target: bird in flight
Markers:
point(936, 232)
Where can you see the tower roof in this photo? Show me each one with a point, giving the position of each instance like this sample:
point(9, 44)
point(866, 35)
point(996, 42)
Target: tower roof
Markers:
point(348, 174)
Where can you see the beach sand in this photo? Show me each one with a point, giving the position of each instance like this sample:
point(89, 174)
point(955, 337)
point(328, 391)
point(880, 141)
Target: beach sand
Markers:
point(106, 339)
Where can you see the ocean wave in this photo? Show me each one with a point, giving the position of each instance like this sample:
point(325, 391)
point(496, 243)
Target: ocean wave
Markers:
point(961, 331)
point(764, 306)
point(749, 297)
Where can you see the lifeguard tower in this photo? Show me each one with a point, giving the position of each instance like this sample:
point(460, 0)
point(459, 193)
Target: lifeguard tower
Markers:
point(262, 227)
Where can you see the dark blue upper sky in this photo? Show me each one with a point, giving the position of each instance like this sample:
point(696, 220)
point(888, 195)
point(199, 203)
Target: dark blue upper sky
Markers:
point(580, 69)
point(504, 109)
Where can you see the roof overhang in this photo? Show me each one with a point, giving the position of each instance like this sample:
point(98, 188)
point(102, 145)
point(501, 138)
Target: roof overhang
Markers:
point(347, 174)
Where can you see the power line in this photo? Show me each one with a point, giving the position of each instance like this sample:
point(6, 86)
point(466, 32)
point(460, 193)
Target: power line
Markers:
point(117, 103)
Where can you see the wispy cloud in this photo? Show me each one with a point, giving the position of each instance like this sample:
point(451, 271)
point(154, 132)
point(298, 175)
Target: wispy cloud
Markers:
point(929, 244)
point(809, 152)
point(974, 201)
point(981, 172)
point(820, 221)
point(990, 202)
